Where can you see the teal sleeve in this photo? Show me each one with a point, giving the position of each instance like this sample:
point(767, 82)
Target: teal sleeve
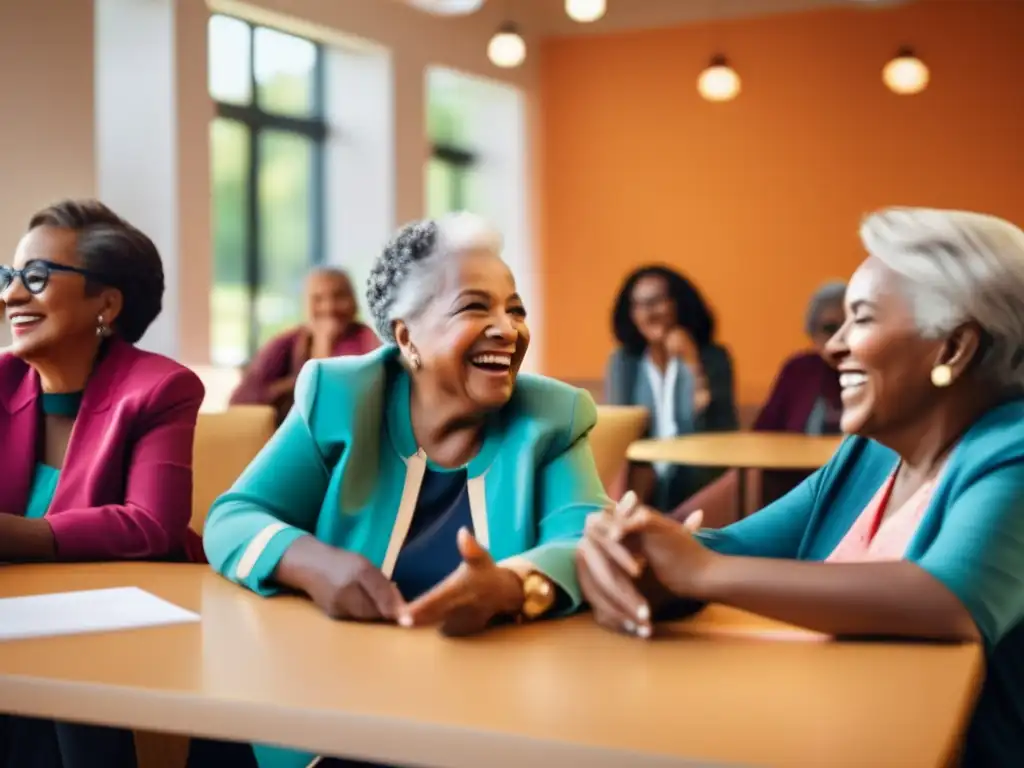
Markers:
point(569, 489)
point(979, 550)
point(775, 531)
point(274, 502)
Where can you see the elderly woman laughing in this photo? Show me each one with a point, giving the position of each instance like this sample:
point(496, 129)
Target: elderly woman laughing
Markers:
point(916, 526)
point(427, 483)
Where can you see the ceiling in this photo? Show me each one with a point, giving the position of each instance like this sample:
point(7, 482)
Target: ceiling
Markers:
point(547, 17)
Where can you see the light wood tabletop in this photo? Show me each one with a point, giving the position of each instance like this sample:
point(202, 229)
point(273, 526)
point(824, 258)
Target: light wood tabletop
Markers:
point(743, 450)
point(554, 693)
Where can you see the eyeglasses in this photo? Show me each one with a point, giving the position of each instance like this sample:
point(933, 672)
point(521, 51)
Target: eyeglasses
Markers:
point(35, 275)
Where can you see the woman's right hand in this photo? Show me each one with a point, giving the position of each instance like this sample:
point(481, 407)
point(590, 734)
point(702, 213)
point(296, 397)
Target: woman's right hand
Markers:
point(608, 569)
point(344, 585)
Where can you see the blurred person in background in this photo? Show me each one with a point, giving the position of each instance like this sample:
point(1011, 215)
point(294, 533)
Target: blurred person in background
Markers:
point(915, 528)
point(331, 330)
point(97, 435)
point(668, 362)
point(804, 399)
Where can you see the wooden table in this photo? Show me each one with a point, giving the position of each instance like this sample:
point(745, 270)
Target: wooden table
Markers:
point(739, 450)
point(550, 694)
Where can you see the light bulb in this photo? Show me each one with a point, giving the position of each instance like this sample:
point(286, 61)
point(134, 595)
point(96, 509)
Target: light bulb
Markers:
point(719, 82)
point(906, 74)
point(585, 10)
point(507, 48)
point(449, 7)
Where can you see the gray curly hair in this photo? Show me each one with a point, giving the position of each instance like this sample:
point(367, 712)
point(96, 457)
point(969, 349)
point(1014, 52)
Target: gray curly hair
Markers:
point(832, 292)
point(411, 269)
point(958, 266)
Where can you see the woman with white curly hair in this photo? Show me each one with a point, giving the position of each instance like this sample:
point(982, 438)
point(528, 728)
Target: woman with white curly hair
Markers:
point(915, 528)
point(427, 483)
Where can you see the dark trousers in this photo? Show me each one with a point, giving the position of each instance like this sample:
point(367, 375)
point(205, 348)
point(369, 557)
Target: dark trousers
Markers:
point(27, 742)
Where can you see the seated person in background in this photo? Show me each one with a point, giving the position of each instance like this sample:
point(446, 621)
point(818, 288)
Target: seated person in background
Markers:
point(804, 398)
point(669, 363)
point(426, 483)
point(331, 330)
point(916, 527)
point(97, 435)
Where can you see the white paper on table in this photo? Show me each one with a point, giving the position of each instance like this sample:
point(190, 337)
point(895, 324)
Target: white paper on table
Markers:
point(94, 610)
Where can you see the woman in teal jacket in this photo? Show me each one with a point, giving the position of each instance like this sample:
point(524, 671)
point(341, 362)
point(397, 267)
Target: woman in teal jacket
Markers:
point(426, 483)
point(916, 526)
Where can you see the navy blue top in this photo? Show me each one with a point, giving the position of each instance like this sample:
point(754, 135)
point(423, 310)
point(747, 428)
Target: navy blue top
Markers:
point(430, 551)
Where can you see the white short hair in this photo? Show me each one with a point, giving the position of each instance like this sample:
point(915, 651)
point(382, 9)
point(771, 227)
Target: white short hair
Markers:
point(957, 267)
point(411, 269)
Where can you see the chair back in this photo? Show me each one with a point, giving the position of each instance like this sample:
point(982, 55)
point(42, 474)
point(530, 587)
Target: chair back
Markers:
point(225, 444)
point(617, 427)
point(220, 383)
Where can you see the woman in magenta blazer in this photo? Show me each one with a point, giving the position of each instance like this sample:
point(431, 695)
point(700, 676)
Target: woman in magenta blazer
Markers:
point(95, 435)
point(331, 330)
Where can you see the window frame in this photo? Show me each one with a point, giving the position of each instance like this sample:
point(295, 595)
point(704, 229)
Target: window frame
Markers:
point(461, 162)
point(256, 120)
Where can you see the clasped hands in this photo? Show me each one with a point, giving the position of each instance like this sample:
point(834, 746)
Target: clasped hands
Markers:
point(464, 603)
point(633, 561)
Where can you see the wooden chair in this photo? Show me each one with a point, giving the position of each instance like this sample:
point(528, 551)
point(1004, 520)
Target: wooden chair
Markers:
point(617, 427)
point(225, 445)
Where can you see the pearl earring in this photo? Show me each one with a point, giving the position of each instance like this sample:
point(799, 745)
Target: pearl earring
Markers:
point(942, 376)
point(101, 327)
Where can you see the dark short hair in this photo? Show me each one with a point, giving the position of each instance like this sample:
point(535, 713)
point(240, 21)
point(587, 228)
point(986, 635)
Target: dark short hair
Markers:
point(692, 313)
point(120, 255)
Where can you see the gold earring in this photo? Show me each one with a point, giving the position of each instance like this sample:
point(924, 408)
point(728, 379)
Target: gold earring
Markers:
point(415, 361)
point(942, 376)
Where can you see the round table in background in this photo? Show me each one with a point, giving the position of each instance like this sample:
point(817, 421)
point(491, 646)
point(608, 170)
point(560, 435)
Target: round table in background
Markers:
point(739, 450)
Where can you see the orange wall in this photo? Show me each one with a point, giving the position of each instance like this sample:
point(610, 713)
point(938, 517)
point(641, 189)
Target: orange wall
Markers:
point(759, 199)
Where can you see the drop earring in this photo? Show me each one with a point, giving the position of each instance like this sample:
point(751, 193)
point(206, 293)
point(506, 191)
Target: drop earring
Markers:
point(415, 361)
point(101, 328)
point(942, 376)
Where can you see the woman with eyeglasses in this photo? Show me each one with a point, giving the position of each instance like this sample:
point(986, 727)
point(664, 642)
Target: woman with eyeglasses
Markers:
point(97, 435)
point(669, 362)
point(805, 398)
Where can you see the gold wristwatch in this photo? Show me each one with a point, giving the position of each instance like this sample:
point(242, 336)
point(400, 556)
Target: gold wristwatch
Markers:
point(538, 595)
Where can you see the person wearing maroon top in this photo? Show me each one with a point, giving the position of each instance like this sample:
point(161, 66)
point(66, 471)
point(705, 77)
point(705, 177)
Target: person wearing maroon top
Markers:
point(331, 330)
point(805, 398)
point(97, 435)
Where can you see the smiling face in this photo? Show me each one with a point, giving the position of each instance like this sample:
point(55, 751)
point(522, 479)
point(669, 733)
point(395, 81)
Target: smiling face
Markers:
point(329, 298)
point(64, 314)
point(884, 361)
point(652, 309)
point(472, 336)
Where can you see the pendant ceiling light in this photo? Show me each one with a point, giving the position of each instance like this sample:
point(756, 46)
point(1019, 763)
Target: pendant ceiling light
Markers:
point(448, 7)
point(507, 48)
point(906, 74)
point(719, 82)
point(585, 11)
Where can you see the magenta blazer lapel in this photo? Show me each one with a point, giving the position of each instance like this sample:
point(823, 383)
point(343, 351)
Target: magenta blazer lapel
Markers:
point(125, 490)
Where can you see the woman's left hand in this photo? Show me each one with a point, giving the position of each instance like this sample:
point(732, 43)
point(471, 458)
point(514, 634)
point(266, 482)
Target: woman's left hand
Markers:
point(466, 602)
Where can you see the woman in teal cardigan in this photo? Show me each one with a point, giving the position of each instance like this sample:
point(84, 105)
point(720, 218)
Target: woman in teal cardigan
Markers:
point(426, 483)
point(916, 527)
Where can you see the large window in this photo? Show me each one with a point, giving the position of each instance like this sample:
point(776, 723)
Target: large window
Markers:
point(266, 147)
point(451, 165)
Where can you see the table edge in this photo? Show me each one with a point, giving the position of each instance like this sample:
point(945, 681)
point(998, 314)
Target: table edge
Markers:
point(366, 737)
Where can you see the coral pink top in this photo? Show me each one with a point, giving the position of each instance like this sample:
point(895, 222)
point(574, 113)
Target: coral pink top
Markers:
point(873, 536)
